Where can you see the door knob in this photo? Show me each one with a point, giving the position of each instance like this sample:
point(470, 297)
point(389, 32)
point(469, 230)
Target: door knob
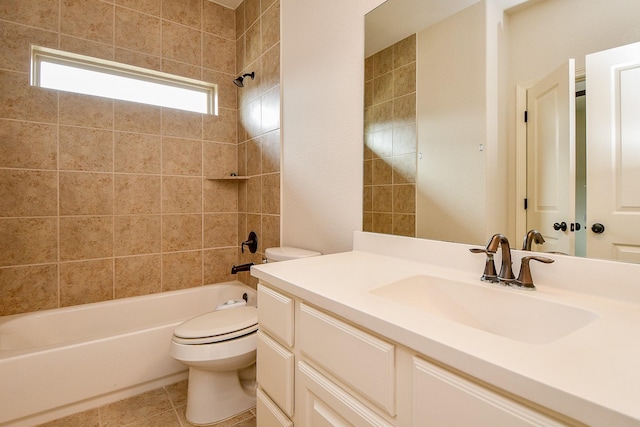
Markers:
point(561, 226)
point(597, 228)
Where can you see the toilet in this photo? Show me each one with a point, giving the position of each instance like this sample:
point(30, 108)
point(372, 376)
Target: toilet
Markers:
point(219, 348)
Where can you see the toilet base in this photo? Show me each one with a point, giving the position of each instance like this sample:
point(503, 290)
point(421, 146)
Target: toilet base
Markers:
point(214, 396)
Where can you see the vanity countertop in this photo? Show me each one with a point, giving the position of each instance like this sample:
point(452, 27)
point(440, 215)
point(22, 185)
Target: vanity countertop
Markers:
point(591, 374)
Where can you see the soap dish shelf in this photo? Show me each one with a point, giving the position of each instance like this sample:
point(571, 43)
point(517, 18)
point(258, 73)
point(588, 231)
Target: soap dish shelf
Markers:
point(227, 178)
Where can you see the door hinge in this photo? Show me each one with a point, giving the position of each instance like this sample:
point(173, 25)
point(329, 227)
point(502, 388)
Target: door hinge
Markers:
point(526, 116)
point(525, 204)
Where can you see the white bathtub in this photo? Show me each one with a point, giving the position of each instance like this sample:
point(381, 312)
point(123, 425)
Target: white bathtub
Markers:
point(57, 362)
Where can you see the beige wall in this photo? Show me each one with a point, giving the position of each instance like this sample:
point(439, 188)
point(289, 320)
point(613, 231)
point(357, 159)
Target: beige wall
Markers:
point(390, 140)
point(103, 199)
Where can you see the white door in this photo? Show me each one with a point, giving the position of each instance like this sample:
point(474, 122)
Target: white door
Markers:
point(551, 159)
point(613, 153)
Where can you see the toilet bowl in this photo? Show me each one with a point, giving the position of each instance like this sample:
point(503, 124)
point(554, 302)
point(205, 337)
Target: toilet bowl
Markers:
point(220, 350)
point(285, 253)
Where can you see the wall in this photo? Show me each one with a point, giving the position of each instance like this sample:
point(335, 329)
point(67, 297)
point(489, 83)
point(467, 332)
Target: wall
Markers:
point(322, 115)
point(390, 140)
point(103, 199)
point(452, 119)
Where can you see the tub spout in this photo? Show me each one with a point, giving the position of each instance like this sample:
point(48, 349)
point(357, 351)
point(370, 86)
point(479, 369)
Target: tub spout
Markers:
point(243, 267)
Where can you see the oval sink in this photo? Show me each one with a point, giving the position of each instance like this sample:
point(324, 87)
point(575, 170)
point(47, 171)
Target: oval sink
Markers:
point(509, 313)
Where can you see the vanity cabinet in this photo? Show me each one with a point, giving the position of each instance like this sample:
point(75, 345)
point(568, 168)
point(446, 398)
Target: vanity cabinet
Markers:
point(317, 369)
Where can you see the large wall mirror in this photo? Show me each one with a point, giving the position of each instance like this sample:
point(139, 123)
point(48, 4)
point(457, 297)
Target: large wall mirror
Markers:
point(456, 169)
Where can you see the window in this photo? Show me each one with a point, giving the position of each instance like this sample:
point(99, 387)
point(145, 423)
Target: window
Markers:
point(55, 69)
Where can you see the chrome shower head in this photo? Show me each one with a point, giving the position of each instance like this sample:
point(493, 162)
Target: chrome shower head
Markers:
point(240, 80)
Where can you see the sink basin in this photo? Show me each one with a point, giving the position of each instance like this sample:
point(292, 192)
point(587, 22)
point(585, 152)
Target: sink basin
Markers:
point(509, 313)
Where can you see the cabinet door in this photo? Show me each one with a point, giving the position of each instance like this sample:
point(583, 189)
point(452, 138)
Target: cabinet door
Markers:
point(268, 413)
point(325, 404)
point(442, 398)
point(275, 372)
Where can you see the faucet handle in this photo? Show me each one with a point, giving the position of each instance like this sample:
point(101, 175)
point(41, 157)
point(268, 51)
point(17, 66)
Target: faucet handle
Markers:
point(524, 280)
point(489, 274)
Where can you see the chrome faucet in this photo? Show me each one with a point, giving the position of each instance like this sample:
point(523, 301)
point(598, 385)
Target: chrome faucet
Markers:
point(532, 236)
point(506, 272)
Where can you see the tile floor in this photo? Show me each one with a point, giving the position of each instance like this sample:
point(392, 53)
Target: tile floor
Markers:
point(162, 407)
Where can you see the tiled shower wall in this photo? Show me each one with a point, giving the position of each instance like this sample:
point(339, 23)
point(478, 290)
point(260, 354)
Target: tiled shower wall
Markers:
point(390, 140)
point(103, 199)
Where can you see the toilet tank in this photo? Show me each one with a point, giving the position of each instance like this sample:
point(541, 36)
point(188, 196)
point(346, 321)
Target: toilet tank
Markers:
point(285, 253)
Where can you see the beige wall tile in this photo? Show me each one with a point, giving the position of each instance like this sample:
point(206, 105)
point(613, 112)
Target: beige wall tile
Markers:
point(137, 235)
point(404, 199)
point(181, 270)
point(151, 7)
point(218, 263)
point(218, 20)
point(181, 157)
point(182, 69)
point(404, 109)
point(270, 231)
point(15, 41)
point(254, 194)
point(220, 196)
point(139, 275)
point(138, 59)
point(382, 198)
point(404, 81)
point(382, 223)
point(182, 124)
point(220, 53)
point(181, 194)
point(185, 12)
point(241, 53)
point(368, 69)
point(220, 230)
point(133, 117)
point(221, 128)
point(404, 169)
point(383, 88)
point(404, 139)
point(84, 110)
point(227, 91)
point(271, 67)
point(271, 194)
point(271, 26)
point(382, 172)
point(83, 193)
point(86, 149)
point(253, 42)
point(382, 116)
point(20, 101)
point(86, 47)
point(271, 110)
point(86, 237)
point(367, 199)
point(35, 13)
point(239, 18)
point(181, 232)
point(137, 153)
point(137, 31)
point(136, 194)
point(87, 19)
point(219, 160)
point(28, 145)
point(367, 221)
point(271, 152)
point(28, 288)
point(86, 281)
point(404, 225)
point(27, 193)
point(28, 241)
point(254, 156)
point(383, 62)
point(404, 52)
point(181, 43)
point(252, 11)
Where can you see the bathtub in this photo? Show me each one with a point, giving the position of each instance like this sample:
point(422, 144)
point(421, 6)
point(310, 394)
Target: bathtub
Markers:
point(57, 362)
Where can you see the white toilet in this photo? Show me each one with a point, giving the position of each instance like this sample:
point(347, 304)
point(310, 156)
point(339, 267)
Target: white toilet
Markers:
point(220, 350)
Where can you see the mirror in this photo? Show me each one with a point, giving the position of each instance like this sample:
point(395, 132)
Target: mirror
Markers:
point(532, 39)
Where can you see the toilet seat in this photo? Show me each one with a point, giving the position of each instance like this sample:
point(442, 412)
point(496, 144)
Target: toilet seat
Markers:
point(217, 326)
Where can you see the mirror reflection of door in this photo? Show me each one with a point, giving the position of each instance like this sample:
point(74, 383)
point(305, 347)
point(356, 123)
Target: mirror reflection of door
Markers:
point(550, 148)
point(613, 153)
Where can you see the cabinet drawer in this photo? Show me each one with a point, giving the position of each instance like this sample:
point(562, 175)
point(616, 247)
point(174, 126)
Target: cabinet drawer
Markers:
point(323, 403)
point(275, 314)
point(439, 395)
point(275, 366)
point(355, 357)
point(268, 413)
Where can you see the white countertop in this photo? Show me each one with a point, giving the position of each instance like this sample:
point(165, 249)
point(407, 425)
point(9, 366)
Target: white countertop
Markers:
point(591, 374)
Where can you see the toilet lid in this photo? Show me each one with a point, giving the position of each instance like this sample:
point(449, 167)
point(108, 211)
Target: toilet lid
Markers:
point(219, 325)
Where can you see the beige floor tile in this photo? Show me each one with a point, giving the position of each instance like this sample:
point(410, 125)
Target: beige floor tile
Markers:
point(135, 409)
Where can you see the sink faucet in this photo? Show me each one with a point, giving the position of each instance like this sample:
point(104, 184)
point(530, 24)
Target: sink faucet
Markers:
point(506, 273)
point(532, 236)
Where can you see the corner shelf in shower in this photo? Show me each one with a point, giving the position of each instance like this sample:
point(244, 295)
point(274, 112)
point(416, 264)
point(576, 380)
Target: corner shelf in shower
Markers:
point(227, 178)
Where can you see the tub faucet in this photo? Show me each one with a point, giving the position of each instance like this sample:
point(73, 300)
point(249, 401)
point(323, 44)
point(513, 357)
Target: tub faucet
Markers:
point(506, 272)
point(532, 236)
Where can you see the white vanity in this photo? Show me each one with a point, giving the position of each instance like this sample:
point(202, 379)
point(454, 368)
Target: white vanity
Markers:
point(402, 332)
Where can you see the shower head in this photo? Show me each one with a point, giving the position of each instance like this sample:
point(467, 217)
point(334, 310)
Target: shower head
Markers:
point(240, 80)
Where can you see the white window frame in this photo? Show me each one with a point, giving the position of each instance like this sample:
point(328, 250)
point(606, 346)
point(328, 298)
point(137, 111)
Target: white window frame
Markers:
point(42, 55)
